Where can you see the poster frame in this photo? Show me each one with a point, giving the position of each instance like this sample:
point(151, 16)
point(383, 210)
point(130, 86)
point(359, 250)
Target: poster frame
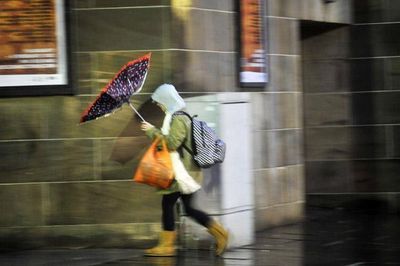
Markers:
point(240, 47)
point(49, 90)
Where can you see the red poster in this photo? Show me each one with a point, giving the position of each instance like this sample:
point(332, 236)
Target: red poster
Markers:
point(252, 52)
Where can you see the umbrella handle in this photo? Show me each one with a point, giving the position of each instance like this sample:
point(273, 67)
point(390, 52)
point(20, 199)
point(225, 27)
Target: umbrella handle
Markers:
point(133, 108)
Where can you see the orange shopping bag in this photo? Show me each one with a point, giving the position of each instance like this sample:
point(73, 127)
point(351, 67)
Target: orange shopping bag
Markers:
point(155, 168)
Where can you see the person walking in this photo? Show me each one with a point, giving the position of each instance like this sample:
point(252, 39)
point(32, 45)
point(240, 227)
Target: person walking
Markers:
point(176, 131)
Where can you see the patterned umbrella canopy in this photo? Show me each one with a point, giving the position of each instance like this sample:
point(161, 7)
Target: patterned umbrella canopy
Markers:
point(127, 81)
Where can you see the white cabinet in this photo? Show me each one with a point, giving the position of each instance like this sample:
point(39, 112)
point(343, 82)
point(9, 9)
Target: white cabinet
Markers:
point(228, 193)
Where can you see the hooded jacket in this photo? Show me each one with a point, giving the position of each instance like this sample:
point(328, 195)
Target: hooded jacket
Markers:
point(176, 130)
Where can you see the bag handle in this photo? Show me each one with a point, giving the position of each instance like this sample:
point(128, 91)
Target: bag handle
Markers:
point(191, 120)
point(157, 142)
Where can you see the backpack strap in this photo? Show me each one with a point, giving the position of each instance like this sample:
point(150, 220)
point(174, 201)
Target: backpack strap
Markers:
point(184, 113)
point(191, 119)
point(187, 149)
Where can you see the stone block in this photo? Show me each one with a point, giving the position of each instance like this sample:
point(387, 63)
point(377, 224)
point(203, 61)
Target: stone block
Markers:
point(269, 186)
point(277, 148)
point(114, 30)
point(283, 36)
point(338, 11)
point(373, 11)
point(316, 108)
point(375, 108)
point(328, 143)
point(369, 142)
point(198, 72)
point(392, 74)
point(129, 235)
point(329, 176)
point(295, 183)
point(394, 141)
point(370, 74)
point(327, 75)
point(187, 34)
point(323, 41)
point(225, 5)
point(22, 205)
point(284, 8)
point(279, 215)
point(282, 111)
point(118, 3)
point(104, 202)
point(384, 40)
point(285, 74)
point(376, 175)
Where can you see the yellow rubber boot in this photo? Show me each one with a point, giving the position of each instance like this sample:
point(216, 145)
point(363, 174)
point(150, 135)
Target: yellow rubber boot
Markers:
point(220, 235)
point(166, 246)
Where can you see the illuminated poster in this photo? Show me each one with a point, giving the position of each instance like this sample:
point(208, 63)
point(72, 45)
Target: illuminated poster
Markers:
point(252, 66)
point(32, 43)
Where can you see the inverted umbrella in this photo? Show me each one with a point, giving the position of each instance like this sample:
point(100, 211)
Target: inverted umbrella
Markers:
point(127, 81)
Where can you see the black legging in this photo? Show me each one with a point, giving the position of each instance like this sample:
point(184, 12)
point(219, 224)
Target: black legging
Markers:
point(168, 202)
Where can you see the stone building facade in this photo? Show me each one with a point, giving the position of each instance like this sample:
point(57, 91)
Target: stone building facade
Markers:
point(324, 128)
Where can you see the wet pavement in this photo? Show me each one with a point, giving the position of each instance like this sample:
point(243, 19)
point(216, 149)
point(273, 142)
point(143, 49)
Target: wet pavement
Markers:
point(328, 236)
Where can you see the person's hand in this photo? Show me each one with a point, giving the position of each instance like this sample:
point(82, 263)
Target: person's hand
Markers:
point(146, 126)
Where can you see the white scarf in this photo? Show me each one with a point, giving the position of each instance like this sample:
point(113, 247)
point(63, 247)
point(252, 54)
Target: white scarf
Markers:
point(166, 123)
point(187, 185)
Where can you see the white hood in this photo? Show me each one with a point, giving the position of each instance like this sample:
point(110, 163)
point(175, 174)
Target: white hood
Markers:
point(167, 95)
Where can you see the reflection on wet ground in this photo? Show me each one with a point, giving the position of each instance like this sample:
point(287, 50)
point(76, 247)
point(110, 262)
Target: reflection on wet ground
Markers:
point(327, 237)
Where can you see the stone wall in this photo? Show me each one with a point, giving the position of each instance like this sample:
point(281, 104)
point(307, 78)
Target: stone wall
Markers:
point(278, 120)
point(351, 120)
point(68, 185)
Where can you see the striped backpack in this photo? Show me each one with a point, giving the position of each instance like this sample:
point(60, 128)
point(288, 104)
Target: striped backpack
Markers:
point(207, 149)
